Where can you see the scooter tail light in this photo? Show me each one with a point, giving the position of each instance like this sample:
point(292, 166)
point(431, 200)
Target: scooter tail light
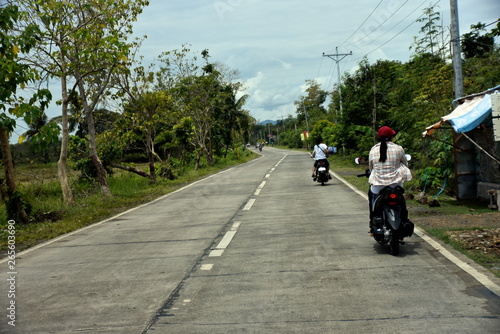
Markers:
point(392, 199)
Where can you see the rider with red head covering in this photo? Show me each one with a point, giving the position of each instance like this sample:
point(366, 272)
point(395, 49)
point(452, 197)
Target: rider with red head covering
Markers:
point(387, 163)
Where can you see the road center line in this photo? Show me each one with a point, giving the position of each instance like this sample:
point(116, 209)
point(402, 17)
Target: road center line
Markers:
point(259, 188)
point(226, 240)
point(207, 266)
point(249, 205)
point(223, 244)
point(235, 226)
point(216, 252)
point(281, 160)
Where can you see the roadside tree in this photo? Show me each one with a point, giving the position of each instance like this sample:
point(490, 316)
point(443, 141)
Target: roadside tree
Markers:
point(82, 45)
point(15, 76)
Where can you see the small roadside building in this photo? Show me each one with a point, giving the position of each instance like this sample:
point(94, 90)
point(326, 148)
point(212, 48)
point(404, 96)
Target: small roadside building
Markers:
point(476, 143)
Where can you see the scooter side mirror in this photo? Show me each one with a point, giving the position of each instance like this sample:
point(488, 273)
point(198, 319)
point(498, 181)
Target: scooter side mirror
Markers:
point(359, 161)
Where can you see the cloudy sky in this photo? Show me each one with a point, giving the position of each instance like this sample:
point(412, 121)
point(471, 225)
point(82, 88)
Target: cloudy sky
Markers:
point(277, 45)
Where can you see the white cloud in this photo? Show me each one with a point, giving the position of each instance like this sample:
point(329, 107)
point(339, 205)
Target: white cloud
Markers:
point(251, 83)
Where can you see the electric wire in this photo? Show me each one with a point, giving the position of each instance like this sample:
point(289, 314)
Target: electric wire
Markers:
point(402, 20)
point(397, 24)
point(362, 23)
point(485, 26)
point(381, 24)
point(319, 69)
point(330, 75)
point(490, 24)
point(389, 40)
point(401, 31)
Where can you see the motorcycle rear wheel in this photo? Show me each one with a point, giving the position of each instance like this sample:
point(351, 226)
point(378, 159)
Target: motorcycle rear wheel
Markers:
point(394, 243)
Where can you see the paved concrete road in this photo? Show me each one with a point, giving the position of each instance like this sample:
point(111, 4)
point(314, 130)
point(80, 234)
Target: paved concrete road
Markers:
point(259, 248)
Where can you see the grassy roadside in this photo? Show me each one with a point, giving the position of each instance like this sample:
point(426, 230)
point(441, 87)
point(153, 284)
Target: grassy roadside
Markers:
point(450, 209)
point(53, 218)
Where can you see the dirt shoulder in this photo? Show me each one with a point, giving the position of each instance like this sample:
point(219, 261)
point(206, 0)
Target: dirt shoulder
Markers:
point(483, 220)
point(476, 231)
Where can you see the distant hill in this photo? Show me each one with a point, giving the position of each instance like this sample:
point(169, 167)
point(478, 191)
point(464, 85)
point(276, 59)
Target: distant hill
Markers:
point(267, 122)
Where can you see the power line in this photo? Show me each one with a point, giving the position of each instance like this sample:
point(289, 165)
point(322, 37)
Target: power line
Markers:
point(490, 23)
point(391, 38)
point(485, 26)
point(319, 69)
point(381, 24)
point(403, 19)
point(330, 75)
point(330, 72)
point(363, 22)
point(397, 24)
point(414, 21)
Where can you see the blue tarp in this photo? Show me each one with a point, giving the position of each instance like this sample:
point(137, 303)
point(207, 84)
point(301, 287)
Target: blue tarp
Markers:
point(472, 118)
point(469, 114)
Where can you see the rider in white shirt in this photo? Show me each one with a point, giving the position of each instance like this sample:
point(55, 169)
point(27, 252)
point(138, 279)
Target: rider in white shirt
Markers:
point(320, 153)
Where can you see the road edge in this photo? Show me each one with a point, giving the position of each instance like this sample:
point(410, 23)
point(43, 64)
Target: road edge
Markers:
point(479, 273)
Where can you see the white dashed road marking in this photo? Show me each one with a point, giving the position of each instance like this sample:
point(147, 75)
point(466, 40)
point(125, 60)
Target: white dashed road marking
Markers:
point(249, 204)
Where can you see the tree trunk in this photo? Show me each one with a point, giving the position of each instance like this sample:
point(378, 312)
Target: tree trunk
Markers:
point(130, 169)
point(62, 169)
point(151, 158)
point(7, 161)
point(198, 158)
point(101, 172)
point(14, 205)
point(62, 173)
point(210, 153)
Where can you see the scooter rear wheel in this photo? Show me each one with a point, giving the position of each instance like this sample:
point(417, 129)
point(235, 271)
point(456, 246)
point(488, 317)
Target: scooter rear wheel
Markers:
point(394, 243)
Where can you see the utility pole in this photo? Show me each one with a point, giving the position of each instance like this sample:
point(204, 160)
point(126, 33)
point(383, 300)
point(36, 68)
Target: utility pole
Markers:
point(457, 59)
point(374, 115)
point(269, 134)
point(337, 59)
point(307, 126)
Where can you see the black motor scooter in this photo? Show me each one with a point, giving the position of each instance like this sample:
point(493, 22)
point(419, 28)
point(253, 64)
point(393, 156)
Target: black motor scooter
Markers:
point(322, 174)
point(389, 222)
